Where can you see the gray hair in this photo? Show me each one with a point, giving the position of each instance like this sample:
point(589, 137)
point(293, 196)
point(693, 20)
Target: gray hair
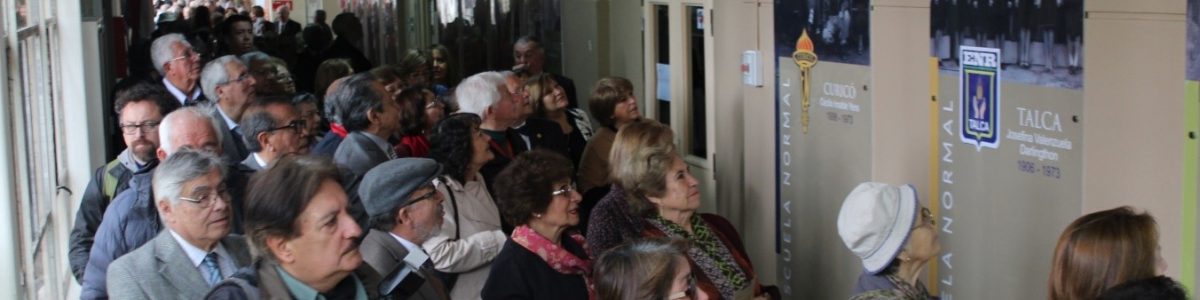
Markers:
point(478, 92)
point(161, 50)
point(353, 99)
point(260, 120)
point(250, 57)
point(166, 128)
point(215, 75)
point(185, 165)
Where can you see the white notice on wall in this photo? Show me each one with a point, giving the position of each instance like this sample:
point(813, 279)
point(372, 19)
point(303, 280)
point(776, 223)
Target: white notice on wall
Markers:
point(663, 71)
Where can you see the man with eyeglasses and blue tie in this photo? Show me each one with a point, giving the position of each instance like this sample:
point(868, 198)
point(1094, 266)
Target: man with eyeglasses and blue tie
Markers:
point(273, 129)
point(179, 66)
point(228, 81)
point(133, 218)
point(195, 251)
point(140, 108)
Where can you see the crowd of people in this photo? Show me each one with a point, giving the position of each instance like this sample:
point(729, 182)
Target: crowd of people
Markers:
point(266, 161)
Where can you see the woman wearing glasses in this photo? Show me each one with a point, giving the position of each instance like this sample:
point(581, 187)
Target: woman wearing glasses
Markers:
point(542, 259)
point(886, 227)
point(646, 269)
point(470, 237)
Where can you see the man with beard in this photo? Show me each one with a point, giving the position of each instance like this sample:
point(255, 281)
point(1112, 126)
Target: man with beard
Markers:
point(139, 111)
point(405, 210)
point(179, 66)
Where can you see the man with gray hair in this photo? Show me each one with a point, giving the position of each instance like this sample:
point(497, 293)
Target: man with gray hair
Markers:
point(485, 94)
point(196, 250)
point(273, 129)
point(179, 66)
point(529, 58)
point(405, 210)
point(371, 118)
point(132, 219)
point(228, 81)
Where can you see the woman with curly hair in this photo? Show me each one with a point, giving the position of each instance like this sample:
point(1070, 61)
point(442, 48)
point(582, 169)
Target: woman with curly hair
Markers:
point(471, 236)
point(544, 258)
point(549, 102)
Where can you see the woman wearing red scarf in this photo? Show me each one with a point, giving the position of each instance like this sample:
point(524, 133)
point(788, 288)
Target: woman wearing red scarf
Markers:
point(542, 259)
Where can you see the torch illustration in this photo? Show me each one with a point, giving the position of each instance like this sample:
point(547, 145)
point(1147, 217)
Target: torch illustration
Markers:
point(805, 58)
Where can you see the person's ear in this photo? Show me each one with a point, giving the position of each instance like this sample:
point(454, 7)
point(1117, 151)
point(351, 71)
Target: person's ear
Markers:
point(263, 139)
point(402, 216)
point(164, 209)
point(282, 249)
point(161, 154)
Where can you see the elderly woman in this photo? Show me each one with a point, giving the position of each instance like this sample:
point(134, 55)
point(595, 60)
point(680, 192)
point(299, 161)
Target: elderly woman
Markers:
point(886, 227)
point(303, 239)
point(550, 102)
point(542, 259)
point(307, 108)
point(471, 236)
point(612, 220)
point(646, 269)
point(614, 106)
point(662, 191)
point(1103, 249)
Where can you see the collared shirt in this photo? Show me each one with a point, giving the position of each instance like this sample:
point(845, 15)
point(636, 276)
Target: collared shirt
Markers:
point(196, 255)
point(179, 95)
point(528, 143)
point(383, 144)
point(228, 121)
point(407, 245)
point(301, 291)
point(261, 162)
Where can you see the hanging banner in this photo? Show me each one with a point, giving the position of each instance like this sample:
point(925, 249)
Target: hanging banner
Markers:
point(824, 144)
point(1008, 86)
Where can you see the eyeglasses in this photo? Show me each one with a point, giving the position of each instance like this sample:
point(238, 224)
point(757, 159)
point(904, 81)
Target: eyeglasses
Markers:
point(144, 127)
point(433, 192)
point(240, 78)
point(295, 125)
point(189, 55)
point(928, 216)
point(206, 200)
point(566, 188)
point(689, 293)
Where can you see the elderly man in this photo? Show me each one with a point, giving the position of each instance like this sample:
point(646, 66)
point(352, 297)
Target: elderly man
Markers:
point(132, 219)
point(228, 81)
point(530, 58)
point(286, 45)
point(271, 75)
point(535, 132)
point(372, 118)
point(140, 109)
point(195, 251)
point(179, 66)
point(304, 240)
point(485, 94)
point(406, 210)
point(261, 25)
point(273, 129)
point(332, 139)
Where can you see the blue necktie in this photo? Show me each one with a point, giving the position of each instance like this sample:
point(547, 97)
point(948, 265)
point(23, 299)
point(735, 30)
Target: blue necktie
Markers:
point(213, 272)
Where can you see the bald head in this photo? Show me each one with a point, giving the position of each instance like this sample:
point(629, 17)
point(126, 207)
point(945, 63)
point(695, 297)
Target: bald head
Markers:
point(191, 127)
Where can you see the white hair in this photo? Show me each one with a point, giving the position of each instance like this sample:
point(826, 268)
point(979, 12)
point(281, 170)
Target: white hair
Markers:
point(215, 74)
point(181, 167)
point(166, 128)
point(478, 92)
point(161, 51)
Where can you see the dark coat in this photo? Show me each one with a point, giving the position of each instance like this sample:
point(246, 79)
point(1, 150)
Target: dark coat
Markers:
point(356, 155)
point(343, 49)
point(91, 211)
point(544, 134)
point(497, 164)
point(328, 145)
point(518, 273)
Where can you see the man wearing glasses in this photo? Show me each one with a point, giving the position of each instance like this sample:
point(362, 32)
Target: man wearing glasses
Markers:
point(140, 109)
point(273, 129)
point(179, 66)
point(195, 251)
point(132, 219)
point(228, 81)
point(405, 210)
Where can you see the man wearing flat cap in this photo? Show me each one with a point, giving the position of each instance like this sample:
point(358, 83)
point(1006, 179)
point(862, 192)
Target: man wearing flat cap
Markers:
point(404, 210)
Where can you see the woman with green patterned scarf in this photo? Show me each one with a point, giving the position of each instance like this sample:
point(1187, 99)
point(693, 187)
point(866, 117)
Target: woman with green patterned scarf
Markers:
point(663, 192)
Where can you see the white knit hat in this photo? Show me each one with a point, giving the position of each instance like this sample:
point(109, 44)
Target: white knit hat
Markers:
point(875, 221)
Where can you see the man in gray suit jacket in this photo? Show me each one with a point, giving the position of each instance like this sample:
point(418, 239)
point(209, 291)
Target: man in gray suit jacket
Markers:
point(405, 210)
point(227, 81)
point(196, 251)
point(372, 117)
point(273, 129)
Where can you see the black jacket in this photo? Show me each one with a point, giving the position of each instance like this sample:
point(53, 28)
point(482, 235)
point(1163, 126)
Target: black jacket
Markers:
point(91, 211)
point(518, 273)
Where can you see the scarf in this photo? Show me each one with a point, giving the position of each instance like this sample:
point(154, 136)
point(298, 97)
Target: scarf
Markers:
point(708, 252)
point(558, 258)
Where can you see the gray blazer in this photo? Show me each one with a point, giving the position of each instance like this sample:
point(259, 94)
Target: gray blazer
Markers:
point(359, 153)
point(161, 270)
point(382, 255)
point(233, 150)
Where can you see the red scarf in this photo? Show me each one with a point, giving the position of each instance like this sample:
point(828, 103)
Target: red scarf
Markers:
point(558, 258)
point(338, 129)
